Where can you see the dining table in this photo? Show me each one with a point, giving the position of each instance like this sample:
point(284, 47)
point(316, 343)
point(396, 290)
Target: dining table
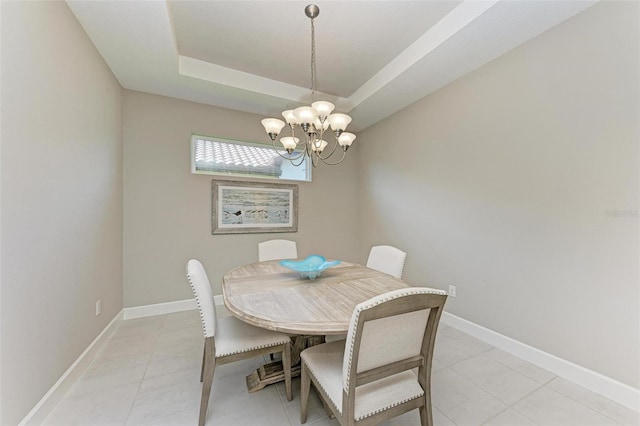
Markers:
point(271, 296)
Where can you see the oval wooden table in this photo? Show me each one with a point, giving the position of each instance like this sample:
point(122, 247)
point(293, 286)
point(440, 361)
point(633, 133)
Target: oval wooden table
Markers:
point(268, 295)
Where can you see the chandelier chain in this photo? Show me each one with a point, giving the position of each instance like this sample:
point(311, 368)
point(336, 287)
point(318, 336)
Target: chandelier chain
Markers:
point(313, 59)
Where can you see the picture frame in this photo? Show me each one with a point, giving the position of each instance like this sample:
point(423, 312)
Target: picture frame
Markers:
point(239, 207)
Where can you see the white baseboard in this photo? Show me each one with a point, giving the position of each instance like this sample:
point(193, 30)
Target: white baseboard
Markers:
point(160, 309)
point(165, 308)
point(596, 382)
point(47, 403)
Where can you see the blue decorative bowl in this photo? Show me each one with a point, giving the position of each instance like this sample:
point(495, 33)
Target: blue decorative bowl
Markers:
point(311, 267)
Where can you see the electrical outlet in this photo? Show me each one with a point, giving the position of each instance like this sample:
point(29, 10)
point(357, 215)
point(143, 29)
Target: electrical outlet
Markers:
point(452, 290)
point(98, 307)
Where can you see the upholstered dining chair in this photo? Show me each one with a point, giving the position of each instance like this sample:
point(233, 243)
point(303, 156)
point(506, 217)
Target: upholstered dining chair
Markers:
point(368, 378)
point(387, 259)
point(228, 339)
point(277, 249)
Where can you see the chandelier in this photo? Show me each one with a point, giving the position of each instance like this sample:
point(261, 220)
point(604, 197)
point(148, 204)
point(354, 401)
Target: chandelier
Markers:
point(313, 121)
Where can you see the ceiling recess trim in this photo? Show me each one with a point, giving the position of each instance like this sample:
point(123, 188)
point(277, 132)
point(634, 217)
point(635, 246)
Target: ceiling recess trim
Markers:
point(195, 68)
point(448, 26)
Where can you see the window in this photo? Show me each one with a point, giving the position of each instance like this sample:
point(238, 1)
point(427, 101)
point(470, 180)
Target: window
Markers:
point(218, 156)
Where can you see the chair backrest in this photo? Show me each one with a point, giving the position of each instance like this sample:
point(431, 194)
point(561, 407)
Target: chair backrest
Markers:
point(277, 249)
point(396, 328)
point(204, 296)
point(387, 259)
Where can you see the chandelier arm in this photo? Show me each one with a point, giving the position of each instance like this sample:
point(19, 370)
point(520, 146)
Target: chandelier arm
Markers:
point(344, 154)
point(301, 157)
point(293, 131)
point(307, 148)
point(313, 156)
point(293, 135)
point(314, 159)
point(332, 151)
point(326, 157)
point(275, 148)
point(290, 158)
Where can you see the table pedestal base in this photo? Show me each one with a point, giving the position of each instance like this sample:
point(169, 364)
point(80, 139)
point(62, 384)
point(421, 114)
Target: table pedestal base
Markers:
point(273, 372)
point(267, 375)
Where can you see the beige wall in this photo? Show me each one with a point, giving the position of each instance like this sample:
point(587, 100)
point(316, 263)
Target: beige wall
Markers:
point(501, 184)
point(167, 210)
point(61, 199)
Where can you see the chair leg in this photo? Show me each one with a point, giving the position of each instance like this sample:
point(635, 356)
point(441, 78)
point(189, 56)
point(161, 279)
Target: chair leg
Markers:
point(286, 366)
point(326, 408)
point(305, 387)
point(426, 414)
point(209, 367)
point(204, 353)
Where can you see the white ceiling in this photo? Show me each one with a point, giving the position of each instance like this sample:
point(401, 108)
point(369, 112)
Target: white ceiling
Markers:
point(373, 57)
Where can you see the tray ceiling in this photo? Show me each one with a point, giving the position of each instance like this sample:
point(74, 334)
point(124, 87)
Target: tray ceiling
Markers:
point(373, 57)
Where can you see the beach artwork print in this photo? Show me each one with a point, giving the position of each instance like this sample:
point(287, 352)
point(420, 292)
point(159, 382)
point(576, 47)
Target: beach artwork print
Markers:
point(241, 207)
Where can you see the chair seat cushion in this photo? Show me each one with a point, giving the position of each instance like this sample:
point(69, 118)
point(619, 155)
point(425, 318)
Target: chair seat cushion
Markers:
point(234, 336)
point(325, 364)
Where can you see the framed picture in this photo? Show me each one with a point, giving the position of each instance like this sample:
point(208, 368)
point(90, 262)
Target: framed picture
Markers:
point(249, 207)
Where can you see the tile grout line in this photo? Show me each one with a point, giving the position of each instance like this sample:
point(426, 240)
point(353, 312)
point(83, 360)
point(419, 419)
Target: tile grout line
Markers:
point(280, 396)
point(586, 406)
point(462, 360)
point(525, 375)
point(441, 412)
point(544, 384)
point(135, 398)
point(510, 405)
point(475, 386)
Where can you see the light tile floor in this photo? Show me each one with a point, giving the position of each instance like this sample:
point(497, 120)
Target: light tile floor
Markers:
point(148, 373)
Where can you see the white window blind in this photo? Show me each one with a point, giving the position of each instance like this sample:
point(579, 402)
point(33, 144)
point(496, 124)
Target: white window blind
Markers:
point(227, 157)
